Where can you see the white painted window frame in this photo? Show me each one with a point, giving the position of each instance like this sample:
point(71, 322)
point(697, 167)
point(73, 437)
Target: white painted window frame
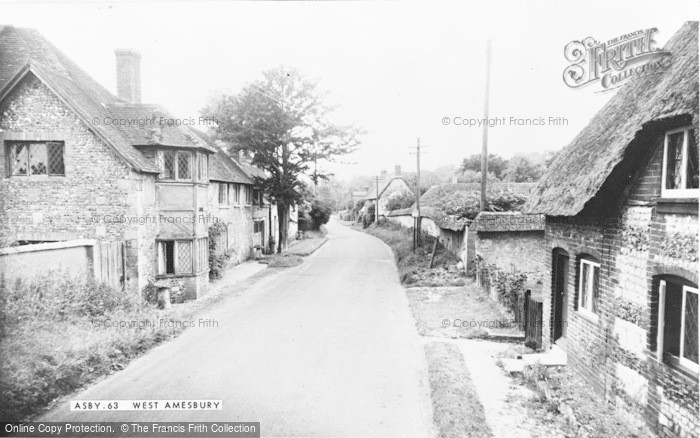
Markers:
point(661, 325)
point(677, 193)
point(587, 311)
point(176, 263)
point(683, 361)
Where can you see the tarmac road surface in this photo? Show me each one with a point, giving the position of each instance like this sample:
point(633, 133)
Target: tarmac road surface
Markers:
point(327, 348)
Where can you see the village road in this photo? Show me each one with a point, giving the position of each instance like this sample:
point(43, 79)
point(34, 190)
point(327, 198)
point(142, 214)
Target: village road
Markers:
point(327, 348)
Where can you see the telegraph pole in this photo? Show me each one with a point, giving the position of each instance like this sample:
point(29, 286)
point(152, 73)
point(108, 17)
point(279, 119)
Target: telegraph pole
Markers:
point(418, 219)
point(376, 202)
point(485, 133)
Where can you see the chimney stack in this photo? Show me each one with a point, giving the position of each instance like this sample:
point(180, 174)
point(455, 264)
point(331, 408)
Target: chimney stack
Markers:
point(128, 75)
point(397, 170)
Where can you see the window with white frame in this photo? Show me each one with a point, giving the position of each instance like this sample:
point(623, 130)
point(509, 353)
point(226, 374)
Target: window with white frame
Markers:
point(36, 158)
point(236, 193)
point(589, 286)
point(175, 165)
point(175, 257)
point(202, 167)
point(223, 193)
point(679, 176)
point(677, 328)
point(248, 195)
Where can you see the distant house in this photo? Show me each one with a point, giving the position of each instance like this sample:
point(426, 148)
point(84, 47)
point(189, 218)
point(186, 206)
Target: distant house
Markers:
point(621, 206)
point(387, 187)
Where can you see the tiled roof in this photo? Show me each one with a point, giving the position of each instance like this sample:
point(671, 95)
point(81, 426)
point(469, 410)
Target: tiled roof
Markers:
point(253, 171)
point(224, 168)
point(26, 50)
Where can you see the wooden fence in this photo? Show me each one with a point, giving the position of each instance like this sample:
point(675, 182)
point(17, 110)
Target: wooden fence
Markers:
point(109, 262)
point(526, 308)
point(533, 322)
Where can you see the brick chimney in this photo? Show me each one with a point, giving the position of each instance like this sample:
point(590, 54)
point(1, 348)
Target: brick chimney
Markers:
point(128, 75)
point(397, 170)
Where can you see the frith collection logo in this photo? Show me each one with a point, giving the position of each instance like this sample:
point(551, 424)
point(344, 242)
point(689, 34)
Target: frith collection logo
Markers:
point(614, 62)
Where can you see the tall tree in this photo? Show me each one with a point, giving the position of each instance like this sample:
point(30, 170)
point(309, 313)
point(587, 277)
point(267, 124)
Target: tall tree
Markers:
point(281, 122)
point(522, 168)
point(497, 164)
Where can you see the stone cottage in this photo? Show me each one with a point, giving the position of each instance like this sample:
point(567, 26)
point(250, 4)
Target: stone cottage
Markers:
point(621, 245)
point(81, 163)
point(231, 204)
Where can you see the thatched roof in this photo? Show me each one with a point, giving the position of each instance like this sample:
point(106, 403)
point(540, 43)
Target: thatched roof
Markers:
point(436, 195)
point(508, 221)
point(581, 170)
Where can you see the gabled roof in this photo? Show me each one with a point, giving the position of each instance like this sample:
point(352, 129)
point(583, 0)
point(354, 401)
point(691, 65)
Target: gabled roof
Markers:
point(26, 51)
point(384, 184)
point(580, 170)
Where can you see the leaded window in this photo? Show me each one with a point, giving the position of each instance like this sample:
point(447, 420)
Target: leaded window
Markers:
point(36, 158)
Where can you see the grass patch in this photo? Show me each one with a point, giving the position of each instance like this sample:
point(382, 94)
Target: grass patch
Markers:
point(456, 312)
point(285, 260)
point(59, 333)
point(457, 410)
point(564, 400)
point(414, 268)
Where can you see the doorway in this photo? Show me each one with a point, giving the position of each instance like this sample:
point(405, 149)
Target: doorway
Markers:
point(560, 295)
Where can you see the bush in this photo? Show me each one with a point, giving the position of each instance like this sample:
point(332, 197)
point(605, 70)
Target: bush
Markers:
point(358, 207)
point(58, 296)
point(320, 214)
point(218, 257)
point(368, 217)
point(398, 201)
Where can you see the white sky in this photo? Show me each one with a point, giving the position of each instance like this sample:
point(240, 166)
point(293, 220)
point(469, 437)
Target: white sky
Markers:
point(394, 68)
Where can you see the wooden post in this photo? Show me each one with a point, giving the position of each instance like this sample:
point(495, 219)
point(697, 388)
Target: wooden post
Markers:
point(418, 219)
point(432, 257)
point(376, 202)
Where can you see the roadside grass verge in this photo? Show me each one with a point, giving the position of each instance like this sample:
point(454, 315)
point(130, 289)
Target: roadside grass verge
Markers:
point(457, 410)
point(59, 333)
point(456, 312)
point(414, 269)
point(285, 260)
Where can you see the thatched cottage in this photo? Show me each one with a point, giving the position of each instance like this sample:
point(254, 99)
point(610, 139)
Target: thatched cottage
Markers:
point(621, 206)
